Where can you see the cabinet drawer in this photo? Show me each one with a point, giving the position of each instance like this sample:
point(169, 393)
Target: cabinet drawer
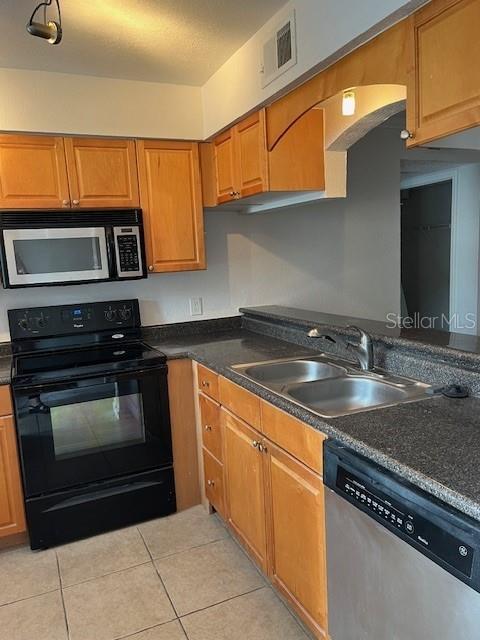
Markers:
point(214, 488)
point(239, 401)
point(211, 430)
point(297, 438)
point(208, 382)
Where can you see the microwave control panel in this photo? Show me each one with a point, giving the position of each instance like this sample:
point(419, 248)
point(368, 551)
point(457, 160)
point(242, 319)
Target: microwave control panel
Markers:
point(73, 318)
point(128, 252)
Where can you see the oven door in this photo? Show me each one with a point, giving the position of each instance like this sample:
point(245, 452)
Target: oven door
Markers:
point(54, 256)
point(94, 429)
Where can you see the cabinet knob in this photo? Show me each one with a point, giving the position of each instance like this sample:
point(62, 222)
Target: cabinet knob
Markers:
point(150, 268)
point(262, 448)
point(205, 384)
point(405, 134)
point(237, 194)
point(66, 203)
point(211, 483)
point(255, 444)
point(232, 194)
point(76, 202)
point(208, 427)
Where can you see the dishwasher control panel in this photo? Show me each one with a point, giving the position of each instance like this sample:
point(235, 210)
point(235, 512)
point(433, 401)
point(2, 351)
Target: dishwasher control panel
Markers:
point(445, 535)
point(451, 549)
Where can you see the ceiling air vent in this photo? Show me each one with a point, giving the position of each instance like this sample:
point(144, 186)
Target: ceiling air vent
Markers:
point(279, 51)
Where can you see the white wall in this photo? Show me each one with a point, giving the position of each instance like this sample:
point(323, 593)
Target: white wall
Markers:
point(325, 31)
point(47, 102)
point(340, 256)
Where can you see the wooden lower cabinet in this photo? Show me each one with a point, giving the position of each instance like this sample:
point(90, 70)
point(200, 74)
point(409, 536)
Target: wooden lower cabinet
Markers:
point(297, 532)
point(12, 516)
point(214, 486)
point(245, 486)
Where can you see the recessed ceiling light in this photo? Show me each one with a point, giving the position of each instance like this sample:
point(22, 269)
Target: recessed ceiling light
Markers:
point(49, 30)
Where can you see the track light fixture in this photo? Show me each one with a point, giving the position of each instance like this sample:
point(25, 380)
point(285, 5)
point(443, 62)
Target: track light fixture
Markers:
point(50, 30)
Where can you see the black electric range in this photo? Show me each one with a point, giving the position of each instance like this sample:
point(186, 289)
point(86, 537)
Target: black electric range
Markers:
point(92, 415)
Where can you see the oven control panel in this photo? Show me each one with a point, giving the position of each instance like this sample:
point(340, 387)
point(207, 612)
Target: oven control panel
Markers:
point(73, 318)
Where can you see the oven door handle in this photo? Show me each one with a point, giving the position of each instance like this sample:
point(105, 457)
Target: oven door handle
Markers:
point(159, 370)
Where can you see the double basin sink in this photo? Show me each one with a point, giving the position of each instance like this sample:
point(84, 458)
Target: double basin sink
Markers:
point(332, 387)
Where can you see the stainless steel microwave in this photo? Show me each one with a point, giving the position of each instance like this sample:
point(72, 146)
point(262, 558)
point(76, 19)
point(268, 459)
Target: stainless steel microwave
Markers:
point(40, 248)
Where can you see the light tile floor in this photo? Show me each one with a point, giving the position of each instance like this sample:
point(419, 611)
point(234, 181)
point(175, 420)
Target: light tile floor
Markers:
point(176, 578)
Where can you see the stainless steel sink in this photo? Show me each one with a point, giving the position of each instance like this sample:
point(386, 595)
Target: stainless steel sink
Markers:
point(282, 373)
point(332, 387)
point(350, 394)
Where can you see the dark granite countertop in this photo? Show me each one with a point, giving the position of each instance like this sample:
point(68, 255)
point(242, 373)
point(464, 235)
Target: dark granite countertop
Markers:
point(434, 443)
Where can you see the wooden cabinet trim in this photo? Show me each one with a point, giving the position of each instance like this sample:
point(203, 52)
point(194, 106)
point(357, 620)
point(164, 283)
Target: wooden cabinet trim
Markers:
point(6, 407)
point(12, 515)
point(184, 439)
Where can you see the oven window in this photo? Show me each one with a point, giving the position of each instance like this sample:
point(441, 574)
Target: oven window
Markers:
point(97, 425)
point(57, 255)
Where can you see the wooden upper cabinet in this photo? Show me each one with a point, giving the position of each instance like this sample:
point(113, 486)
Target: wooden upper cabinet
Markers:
point(297, 533)
point(102, 172)
point(171, 199)
point(225, 166)
point(444, 75)
point(239, 164)
point(245, 486)
point(240, 160)
point(33, 174)
point(251, 155)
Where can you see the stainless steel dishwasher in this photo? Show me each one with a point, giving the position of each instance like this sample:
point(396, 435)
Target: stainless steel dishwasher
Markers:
point(401, 564)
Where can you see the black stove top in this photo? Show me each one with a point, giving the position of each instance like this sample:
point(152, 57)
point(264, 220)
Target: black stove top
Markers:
point(76, 341)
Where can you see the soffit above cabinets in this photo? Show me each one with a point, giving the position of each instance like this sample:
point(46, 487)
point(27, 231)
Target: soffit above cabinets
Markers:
point(171, 41)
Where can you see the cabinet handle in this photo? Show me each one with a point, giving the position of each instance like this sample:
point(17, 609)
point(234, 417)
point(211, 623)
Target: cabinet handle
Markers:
point(405, 134)
point(232, 194)
point(150, 268)
point(262, 447)
point(66, 203)
point(237, 194)
point(208, 427)
point(205, 384)
point(211, 483)
point(255, 444)
point(76, 202)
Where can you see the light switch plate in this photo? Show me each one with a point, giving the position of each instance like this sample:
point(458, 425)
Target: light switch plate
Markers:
point(196, 306)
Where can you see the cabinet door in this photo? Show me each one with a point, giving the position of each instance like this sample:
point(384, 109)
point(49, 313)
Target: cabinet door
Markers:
point(444, 79)
point(297, 527)
point(225, 166)
point(245, 486)
point(214, 489)
point(251, 155)
point(171, 199)
point(102, 173)
point(12, 518)
point(33, 173)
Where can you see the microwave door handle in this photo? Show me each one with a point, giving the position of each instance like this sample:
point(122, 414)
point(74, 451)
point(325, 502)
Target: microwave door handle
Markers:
point(112, 262)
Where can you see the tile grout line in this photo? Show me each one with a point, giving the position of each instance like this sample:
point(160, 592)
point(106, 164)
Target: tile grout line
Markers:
point(197, 546)
point(37, 595)
point(215, 604)
point(159, 576)
point(61, 595)
point(104, 575)
point(155, 626)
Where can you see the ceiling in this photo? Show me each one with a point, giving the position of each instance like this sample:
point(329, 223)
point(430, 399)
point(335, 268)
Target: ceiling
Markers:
point(177, 41)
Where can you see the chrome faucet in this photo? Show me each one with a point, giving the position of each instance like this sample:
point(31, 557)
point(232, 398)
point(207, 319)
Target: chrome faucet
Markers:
point(363, 350)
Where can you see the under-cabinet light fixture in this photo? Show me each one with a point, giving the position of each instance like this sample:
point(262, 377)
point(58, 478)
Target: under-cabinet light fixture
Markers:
point(49, 30)
point(348, 103)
